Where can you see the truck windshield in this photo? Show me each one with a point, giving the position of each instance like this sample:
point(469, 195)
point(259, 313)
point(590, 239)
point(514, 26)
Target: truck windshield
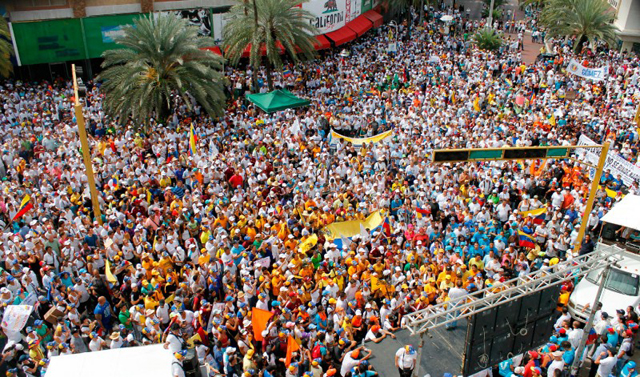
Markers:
point(618, 281)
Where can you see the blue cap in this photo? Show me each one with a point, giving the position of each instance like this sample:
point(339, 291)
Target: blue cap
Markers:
point(37, 322)
point(275, 303)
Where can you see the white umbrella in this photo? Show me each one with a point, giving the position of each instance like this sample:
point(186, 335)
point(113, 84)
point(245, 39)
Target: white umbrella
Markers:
point(446, 18)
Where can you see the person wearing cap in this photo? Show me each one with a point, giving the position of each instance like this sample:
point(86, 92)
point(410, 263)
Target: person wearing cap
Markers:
point(177, 368)
point(353, 358)
point(557, 363)
point(625, 351)
point(376, 334)
point(406, 360)
point(605, 361)
point(629, 370)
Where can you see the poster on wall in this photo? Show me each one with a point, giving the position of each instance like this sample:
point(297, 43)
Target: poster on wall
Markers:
point(196, 17)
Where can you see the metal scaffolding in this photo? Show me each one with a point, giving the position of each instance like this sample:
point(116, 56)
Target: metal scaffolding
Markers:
point(451, 311)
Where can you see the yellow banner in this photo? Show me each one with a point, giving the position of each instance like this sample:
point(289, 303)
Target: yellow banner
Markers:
point(359, 141)
point(351, 228)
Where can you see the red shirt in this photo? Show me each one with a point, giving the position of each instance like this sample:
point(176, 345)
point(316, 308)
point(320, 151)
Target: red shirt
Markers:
point(235, 181)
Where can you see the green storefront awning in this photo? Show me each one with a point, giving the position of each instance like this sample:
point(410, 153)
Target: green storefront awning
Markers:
point(277, 100)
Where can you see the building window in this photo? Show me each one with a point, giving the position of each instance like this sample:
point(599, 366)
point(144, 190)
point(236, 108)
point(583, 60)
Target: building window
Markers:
point(42, 3)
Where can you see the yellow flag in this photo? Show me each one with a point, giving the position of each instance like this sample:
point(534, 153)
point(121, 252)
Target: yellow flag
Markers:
point(107, 272)
point(637, 117)
point(552, 120)
point(476, 104)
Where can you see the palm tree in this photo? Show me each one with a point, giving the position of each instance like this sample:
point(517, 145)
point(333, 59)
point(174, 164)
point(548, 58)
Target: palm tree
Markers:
point(161, 58)
point(6, 49)
point(278, 23)
point(487, 39)
point(586, 20)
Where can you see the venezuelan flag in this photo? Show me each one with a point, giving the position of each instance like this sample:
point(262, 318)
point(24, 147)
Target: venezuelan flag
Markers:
point(526, 240)
point(521, 164)
point(537, 214)
point(192, 141)
point(387, 227)
point(25, 206)
point(422, 211)
point(508, 82)
point(287, 73)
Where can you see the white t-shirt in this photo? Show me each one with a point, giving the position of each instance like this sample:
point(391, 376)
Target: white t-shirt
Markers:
point(406, 360)
point(175, 345)
point(176, 369)
point(555, 364)
point(606, 366)
point(347, 364)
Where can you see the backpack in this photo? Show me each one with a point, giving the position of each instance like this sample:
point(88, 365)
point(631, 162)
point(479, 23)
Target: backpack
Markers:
point(316, 352)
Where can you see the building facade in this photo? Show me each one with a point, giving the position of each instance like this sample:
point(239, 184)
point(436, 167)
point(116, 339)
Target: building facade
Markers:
point(628, 22)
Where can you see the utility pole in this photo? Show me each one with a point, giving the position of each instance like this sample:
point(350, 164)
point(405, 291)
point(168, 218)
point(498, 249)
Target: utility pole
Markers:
point(592, 195)
point(86, 152)
point(416, 369)
point(583, 342)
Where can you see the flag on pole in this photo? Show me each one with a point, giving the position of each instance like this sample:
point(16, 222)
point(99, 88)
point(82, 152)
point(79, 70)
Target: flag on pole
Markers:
point(25, 206)
point(526, 240)
point(537, 214)
point(292, 346)
point(259, 320)
point(192, 141)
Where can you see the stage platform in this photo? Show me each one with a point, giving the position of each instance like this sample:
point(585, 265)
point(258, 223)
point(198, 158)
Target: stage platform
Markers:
point(442, 352)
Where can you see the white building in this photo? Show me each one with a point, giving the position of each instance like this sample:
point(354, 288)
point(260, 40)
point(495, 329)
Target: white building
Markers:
point(628, 21)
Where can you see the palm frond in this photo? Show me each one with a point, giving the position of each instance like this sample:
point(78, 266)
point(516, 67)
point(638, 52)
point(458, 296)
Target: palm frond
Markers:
point(160, 56)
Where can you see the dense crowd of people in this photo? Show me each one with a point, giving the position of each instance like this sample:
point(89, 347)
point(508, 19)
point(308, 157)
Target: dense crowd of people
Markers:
point(194, 242)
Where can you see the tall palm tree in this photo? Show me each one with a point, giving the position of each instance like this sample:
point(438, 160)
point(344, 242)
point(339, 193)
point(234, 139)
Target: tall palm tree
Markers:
point(278, 22)
point(161, 57)
point(6, 49)
point(586, 20)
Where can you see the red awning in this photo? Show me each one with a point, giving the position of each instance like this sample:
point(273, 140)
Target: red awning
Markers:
point(374, 17)
point(323, 43)
point(263, 51)
point(360, 25)
point(342, 36)
point(215, 49)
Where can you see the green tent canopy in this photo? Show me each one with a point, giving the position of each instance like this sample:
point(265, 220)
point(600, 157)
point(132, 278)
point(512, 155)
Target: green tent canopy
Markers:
point(277, 100)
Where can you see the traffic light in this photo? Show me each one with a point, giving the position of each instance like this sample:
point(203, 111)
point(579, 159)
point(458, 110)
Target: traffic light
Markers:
point(82, 89)
point(441, 156)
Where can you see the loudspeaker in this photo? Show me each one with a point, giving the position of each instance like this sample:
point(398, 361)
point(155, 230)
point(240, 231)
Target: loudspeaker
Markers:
point(609, 231)
point(501, 347)
point(529, 309)
point(190, 364)
point(543, 330)
point(549, 301)
point(484, 324)
point(507, 315)
point(523, 337)
point(477, 357)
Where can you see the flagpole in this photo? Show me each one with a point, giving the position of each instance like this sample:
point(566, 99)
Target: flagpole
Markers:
point(86, 152)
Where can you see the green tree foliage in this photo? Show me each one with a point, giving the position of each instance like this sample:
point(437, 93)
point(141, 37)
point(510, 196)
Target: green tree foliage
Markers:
point(162, 56)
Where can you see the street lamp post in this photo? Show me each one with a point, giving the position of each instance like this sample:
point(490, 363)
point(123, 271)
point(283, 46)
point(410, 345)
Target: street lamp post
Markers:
point(86, 152)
